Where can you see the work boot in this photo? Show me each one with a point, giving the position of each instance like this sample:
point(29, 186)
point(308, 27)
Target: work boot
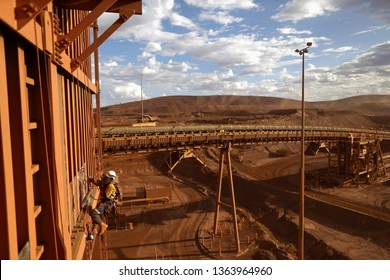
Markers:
point(103, 227)
point(90, 237)
point(95, 230)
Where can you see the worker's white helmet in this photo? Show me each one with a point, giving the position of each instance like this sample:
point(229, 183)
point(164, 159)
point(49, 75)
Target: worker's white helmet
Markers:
point(112, 174)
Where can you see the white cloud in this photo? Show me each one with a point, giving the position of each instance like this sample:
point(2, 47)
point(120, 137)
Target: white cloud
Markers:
point(127, 91)
point(221, 17)
point(379, 9)
point(147, 26)
point(212, 33)
point(340, 49)
point(220, 84)
point(234, 50)
point(299, 9)
point(321, 75)
point(111, 64)
point(268, 86)
point(376, 60)
point(286, 77)
point(150, 24)
point(223, 4)
point(362, 75)
point(290, 30)
point(150, 48)
point(179, 20)
point(151, 66)
point(153, 47)
point(386, 84)
point(208, 58)
point(370, 29)
point(257, 56)
point(295, 10)
point(179, 66)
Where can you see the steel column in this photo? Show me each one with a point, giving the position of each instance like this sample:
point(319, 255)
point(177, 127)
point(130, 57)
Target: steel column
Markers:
point(21, 148)
point(59, 183)
point(8, 242)
point(219, 189)
point(226, 152)
point(97, 96)
point(233, 200)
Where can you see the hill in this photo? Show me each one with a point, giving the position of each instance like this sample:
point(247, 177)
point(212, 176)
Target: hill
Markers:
point(359, 111)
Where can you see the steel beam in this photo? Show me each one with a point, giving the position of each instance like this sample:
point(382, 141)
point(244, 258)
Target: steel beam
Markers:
point(26, 10)
point(124, 15)
point(64, 41)
point(182, 155)
point(21, 148)
point(98, 124)
point(59, 172)
point(8, 242)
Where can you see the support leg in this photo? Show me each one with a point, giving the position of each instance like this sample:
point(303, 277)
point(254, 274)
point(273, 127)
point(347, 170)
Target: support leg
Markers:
point(233, 200)
point(219, 188)
point(226, 151)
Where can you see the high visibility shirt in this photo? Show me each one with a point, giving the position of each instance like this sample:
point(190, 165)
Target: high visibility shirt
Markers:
point(110, 191)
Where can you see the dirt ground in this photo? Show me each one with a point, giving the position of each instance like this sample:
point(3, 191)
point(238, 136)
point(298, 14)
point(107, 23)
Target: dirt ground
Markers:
point(340, 223)
point(266, 190)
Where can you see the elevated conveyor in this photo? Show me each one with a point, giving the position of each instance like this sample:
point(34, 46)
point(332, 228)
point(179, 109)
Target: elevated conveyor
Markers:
point(149, 139)
point(357, 151)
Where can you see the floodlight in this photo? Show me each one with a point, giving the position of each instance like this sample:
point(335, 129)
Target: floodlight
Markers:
point(309, 44)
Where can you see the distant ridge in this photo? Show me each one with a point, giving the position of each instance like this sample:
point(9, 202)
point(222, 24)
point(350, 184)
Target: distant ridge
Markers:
point(364, 104)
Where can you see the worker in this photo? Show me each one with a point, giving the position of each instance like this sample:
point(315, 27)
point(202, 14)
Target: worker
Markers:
point(109, 192)
point(108, 181)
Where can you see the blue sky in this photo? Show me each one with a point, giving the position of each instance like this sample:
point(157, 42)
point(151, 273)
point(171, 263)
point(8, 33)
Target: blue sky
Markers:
point(247, 47)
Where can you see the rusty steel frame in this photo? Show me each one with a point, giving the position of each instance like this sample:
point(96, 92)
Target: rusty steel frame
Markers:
point(225, 152)
point(182, 154)
point(63, 41)
point(340, 142)
point(360, 157)
point(165, 139)
point(8, 209)
point(98, 123)
point(47, 128)
point(26, 10)
point(124, 16)
point(24, 167)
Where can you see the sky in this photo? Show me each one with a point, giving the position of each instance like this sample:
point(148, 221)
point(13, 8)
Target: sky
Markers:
point(247, 47)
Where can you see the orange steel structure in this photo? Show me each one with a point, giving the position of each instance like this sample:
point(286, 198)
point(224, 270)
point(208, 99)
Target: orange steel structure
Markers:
point(47, 147)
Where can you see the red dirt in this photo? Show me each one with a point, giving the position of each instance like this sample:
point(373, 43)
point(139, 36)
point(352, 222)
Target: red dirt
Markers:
point(266, 188)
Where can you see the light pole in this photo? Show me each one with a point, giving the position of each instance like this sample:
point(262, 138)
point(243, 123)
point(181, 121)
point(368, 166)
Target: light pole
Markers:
point(142, 103)
point(301, 234)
